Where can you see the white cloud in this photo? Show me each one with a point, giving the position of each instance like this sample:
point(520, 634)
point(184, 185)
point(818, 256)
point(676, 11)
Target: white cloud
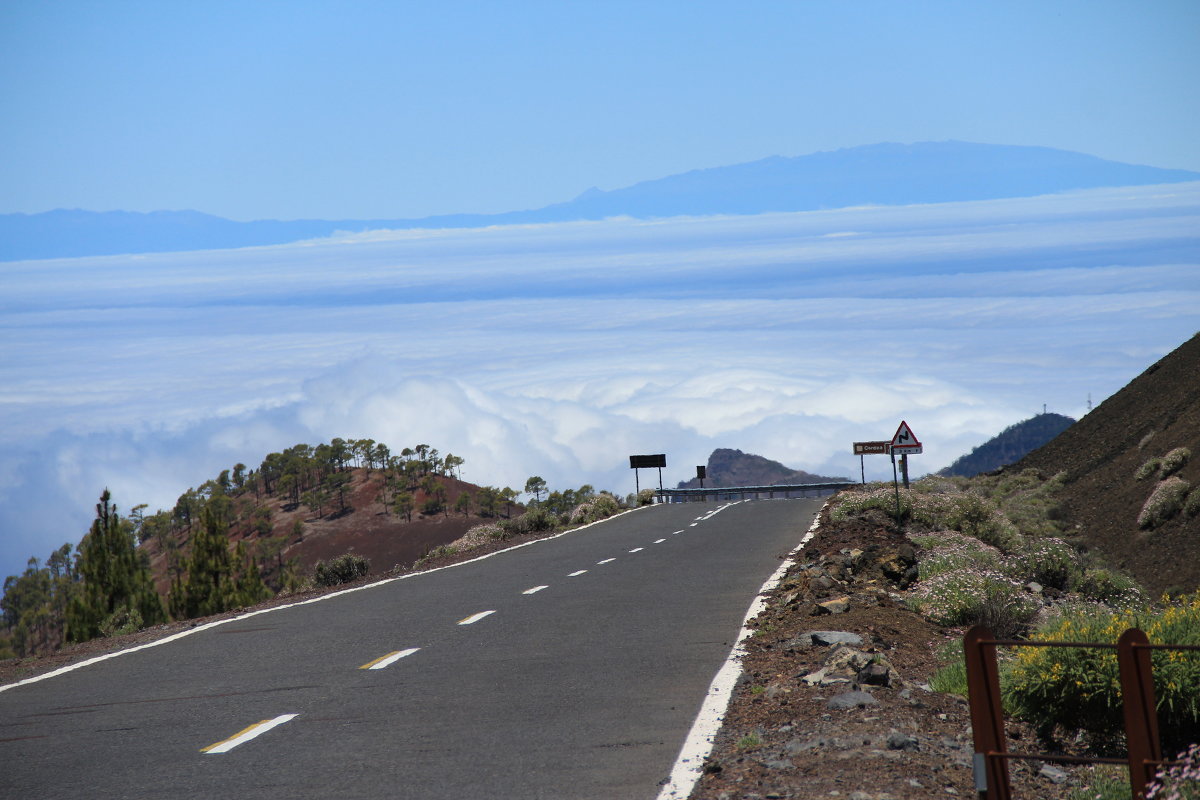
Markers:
point(561, 349)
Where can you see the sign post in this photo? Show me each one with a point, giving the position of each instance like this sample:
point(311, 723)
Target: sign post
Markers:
point(641, 462)
point(905, 443)
point(863, 449)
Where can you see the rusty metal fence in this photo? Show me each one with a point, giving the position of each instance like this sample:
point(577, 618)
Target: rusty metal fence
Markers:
point(1137, 700)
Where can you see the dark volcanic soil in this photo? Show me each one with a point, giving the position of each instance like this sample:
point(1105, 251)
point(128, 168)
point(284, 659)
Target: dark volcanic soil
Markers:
point(781, 738)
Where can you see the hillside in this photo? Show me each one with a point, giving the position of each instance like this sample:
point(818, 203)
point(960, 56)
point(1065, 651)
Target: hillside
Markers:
point(1102, 456)
point(880, 174)
point(384, 538)
point(1010, 445)
point(727, 468)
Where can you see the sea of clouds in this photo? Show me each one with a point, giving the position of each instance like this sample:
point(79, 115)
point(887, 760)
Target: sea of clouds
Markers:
point(561, 349)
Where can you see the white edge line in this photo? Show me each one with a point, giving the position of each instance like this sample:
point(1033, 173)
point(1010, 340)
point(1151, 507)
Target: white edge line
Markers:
point(699, 742)
point(322, 598)
point(247, 735)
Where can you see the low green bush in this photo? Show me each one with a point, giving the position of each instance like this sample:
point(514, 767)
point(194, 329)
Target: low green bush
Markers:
point(1113, 589)
point(1164, 502)
point(343, 569)
point(1179, 782)
point(535, 520)
point(951, 676)
point(121, 622)
point(1051, 562)
point(1191, 506)
point(599, 507)
point(645, 497)
point(976, 597)
point(1149, 469)
point(948, 551)
point(434, 554)
point(1078, 688)
point(1175, 460)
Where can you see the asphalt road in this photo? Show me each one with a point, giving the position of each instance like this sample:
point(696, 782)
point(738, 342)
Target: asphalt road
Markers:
point(584, 688)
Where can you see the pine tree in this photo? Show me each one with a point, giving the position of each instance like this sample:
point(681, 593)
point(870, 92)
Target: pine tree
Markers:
point(250, 588)
point(209, 588)
point(113, 580)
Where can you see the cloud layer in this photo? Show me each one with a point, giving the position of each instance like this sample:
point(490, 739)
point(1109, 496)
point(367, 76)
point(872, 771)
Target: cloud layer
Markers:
point(561, 349)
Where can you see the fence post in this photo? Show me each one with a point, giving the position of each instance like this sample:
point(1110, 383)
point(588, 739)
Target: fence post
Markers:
point(1140, 707)
point(987, 715)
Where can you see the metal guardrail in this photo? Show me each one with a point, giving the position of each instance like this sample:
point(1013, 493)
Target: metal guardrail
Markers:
point(742, 492)
point(1137, 702)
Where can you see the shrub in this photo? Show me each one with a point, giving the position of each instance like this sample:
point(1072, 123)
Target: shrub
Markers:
point(122, 621)
point(1078, 688)
point(343, 569)
point(1175, 460)
point(947, 551)
point(599, 507)
point(442, 551)
point(951, 676)
point(1164, 502)
point(535, 520)
point(1148, 469)
point(976, 597)
point(645, 497)
point(1191, 506)
point(1181, 782)
point(1050, 562)
point(1113, 589)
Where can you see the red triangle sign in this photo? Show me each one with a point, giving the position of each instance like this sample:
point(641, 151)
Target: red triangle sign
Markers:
point(904, 437)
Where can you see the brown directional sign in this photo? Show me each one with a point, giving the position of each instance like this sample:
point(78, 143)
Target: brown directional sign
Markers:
point(872, 448)
point(646, 462)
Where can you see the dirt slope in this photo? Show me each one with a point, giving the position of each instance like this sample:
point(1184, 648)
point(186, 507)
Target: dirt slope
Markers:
point(1157, 412)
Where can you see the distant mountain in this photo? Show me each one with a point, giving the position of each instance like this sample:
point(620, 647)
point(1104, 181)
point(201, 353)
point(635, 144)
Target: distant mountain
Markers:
point(881, 174)
point(1114, 459)
point(1010, 445)
point(731, 468)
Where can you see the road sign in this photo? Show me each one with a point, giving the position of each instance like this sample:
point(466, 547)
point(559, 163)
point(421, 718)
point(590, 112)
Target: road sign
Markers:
point(648, 462)
point(905, 441)
point(872, 448)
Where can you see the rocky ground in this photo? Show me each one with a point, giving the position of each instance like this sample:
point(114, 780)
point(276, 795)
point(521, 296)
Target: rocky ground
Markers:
point(834, 700)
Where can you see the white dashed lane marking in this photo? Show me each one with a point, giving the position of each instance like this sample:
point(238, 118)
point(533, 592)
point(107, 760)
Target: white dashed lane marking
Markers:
point(383, 662)
point(639, 549)
point(577, 573)
point(475, 617)
point(257, 729)
point(605, 561)
point(656, 541)
point(535, 590)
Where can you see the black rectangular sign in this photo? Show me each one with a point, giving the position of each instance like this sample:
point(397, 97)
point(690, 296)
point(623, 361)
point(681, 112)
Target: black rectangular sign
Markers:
point(646, 462)
point(701, 472)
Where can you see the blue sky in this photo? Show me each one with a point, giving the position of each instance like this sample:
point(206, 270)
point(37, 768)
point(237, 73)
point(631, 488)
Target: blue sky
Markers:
point(392, 109)
point(560, 349)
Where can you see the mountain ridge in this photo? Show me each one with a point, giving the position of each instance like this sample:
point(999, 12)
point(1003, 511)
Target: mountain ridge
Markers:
point(878, 174)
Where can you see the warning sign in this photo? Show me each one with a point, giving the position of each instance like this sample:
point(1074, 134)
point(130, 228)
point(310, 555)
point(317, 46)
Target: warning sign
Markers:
point(905, 441)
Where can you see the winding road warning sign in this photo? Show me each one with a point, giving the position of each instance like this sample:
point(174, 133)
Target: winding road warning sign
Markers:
point(905, 441)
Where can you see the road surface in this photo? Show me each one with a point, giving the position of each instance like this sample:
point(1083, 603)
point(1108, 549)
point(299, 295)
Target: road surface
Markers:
point(568, 668)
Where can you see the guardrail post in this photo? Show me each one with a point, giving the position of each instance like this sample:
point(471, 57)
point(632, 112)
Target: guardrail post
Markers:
point(1140, 707)
point(987, 715)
